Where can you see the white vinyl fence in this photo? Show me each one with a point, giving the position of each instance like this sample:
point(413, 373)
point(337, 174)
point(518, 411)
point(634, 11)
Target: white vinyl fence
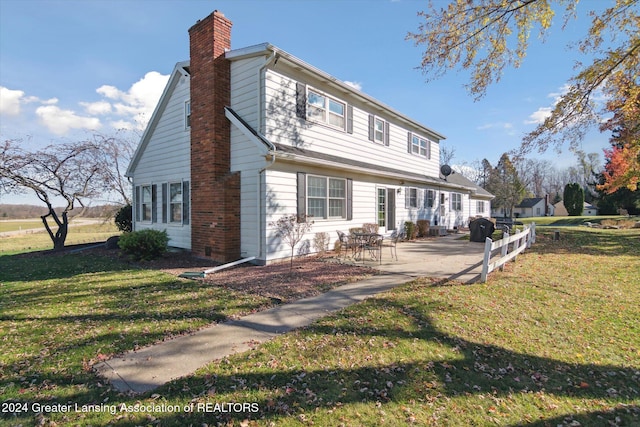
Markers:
point(510, 247)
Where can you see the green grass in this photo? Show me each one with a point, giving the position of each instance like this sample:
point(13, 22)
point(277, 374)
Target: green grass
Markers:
point(20, 225)
point(553, 340)
point(41, 241)
point(558, 221)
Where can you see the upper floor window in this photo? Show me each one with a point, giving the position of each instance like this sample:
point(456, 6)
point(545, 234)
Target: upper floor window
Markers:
point(187, 114)
point(378, 130)
point(325, 109)
point(418, 145)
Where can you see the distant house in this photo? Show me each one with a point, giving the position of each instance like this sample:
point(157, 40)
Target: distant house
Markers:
point(588, 210)
point(533, 206)
point(241, 137)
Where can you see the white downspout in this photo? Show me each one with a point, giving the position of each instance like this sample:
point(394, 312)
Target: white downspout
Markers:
point(272, 150)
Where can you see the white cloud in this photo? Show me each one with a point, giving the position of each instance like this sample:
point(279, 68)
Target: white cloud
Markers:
point(355, 85)
point(135, 105)
point(60, 121)
point(10, 101)
point(497, 125)
point(539, 116)
point(96, 108)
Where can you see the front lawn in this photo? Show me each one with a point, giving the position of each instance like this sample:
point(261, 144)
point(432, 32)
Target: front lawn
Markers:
point(553, 340)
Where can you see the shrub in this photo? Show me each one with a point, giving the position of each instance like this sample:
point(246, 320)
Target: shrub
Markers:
point(410, 230)
point(123, 219)
point(321, 242)
point(144, 244)
point(423, 227)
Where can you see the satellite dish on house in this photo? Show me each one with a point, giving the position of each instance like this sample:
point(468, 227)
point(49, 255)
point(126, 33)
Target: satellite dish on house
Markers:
point(446, 170)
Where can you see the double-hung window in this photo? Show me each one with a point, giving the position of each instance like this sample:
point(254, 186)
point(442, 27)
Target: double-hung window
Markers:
point(326, 197)
point(378, 130)
point(146, 202)
point(419, 146)
point(187, 114)
point(430, 199)
point(325, 109)
point(456, 201)
point(480, 206)
point(411, 198)
point(175, 202)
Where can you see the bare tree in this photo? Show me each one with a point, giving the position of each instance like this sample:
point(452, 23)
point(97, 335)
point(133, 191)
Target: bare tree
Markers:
point(291, 229)
point(117, 151)
point(446, 154)
point(71, 172)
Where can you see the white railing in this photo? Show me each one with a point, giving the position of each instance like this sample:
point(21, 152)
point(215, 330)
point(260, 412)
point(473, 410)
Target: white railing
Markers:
point(521, 241)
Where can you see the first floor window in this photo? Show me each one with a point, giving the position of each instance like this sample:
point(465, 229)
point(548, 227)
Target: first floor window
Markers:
point(146, 203)
point(480, 206)
point(429, 200)
point(175, 202)
point(411, 198)
point(326, 197)
point(456, 201)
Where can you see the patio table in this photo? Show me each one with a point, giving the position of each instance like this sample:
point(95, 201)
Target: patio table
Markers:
point(371, 242)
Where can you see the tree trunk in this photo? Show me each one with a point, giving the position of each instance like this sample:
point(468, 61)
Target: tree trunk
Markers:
point(60, 235)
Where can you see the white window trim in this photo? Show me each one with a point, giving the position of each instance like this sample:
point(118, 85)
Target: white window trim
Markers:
point(426, 199)
point(408, 198)
point(169, 203)
point(187, 114)
point(326, 108)
point(142, 204)
point(377, 120)
point(427, 147)
point(456, 201)
point(327, 198)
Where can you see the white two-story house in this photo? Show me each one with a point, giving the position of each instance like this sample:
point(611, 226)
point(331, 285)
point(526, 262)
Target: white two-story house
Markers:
point(241, 137)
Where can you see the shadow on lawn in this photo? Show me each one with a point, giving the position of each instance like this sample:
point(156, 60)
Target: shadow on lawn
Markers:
point(588, 242)
point(478, 369)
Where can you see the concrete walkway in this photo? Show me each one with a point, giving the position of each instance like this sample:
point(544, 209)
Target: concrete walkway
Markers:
point(145, 369)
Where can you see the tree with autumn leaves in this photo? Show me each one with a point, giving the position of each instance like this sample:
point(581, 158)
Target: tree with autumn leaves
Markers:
point(487, 36)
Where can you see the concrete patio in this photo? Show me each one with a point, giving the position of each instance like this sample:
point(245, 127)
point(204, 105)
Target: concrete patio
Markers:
point(448, 257)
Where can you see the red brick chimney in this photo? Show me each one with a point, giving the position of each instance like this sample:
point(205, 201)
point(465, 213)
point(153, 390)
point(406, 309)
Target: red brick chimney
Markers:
point(215, 191)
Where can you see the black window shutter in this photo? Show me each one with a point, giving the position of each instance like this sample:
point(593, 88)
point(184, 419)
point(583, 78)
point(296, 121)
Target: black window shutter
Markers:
point(302, 197)
point(371, 125)
point(349, 118)
point(164, 202)
point(154, 203)
point(137, 203)
point(301, 100)
point(386, 133)
point(185, 202)
point(349, 199)
point(409, 142)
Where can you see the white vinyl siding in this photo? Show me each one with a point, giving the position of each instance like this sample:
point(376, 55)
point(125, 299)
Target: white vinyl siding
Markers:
point(282, 126)
point(166, 158)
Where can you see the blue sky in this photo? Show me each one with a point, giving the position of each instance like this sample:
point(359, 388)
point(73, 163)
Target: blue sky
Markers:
point(70, 67)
